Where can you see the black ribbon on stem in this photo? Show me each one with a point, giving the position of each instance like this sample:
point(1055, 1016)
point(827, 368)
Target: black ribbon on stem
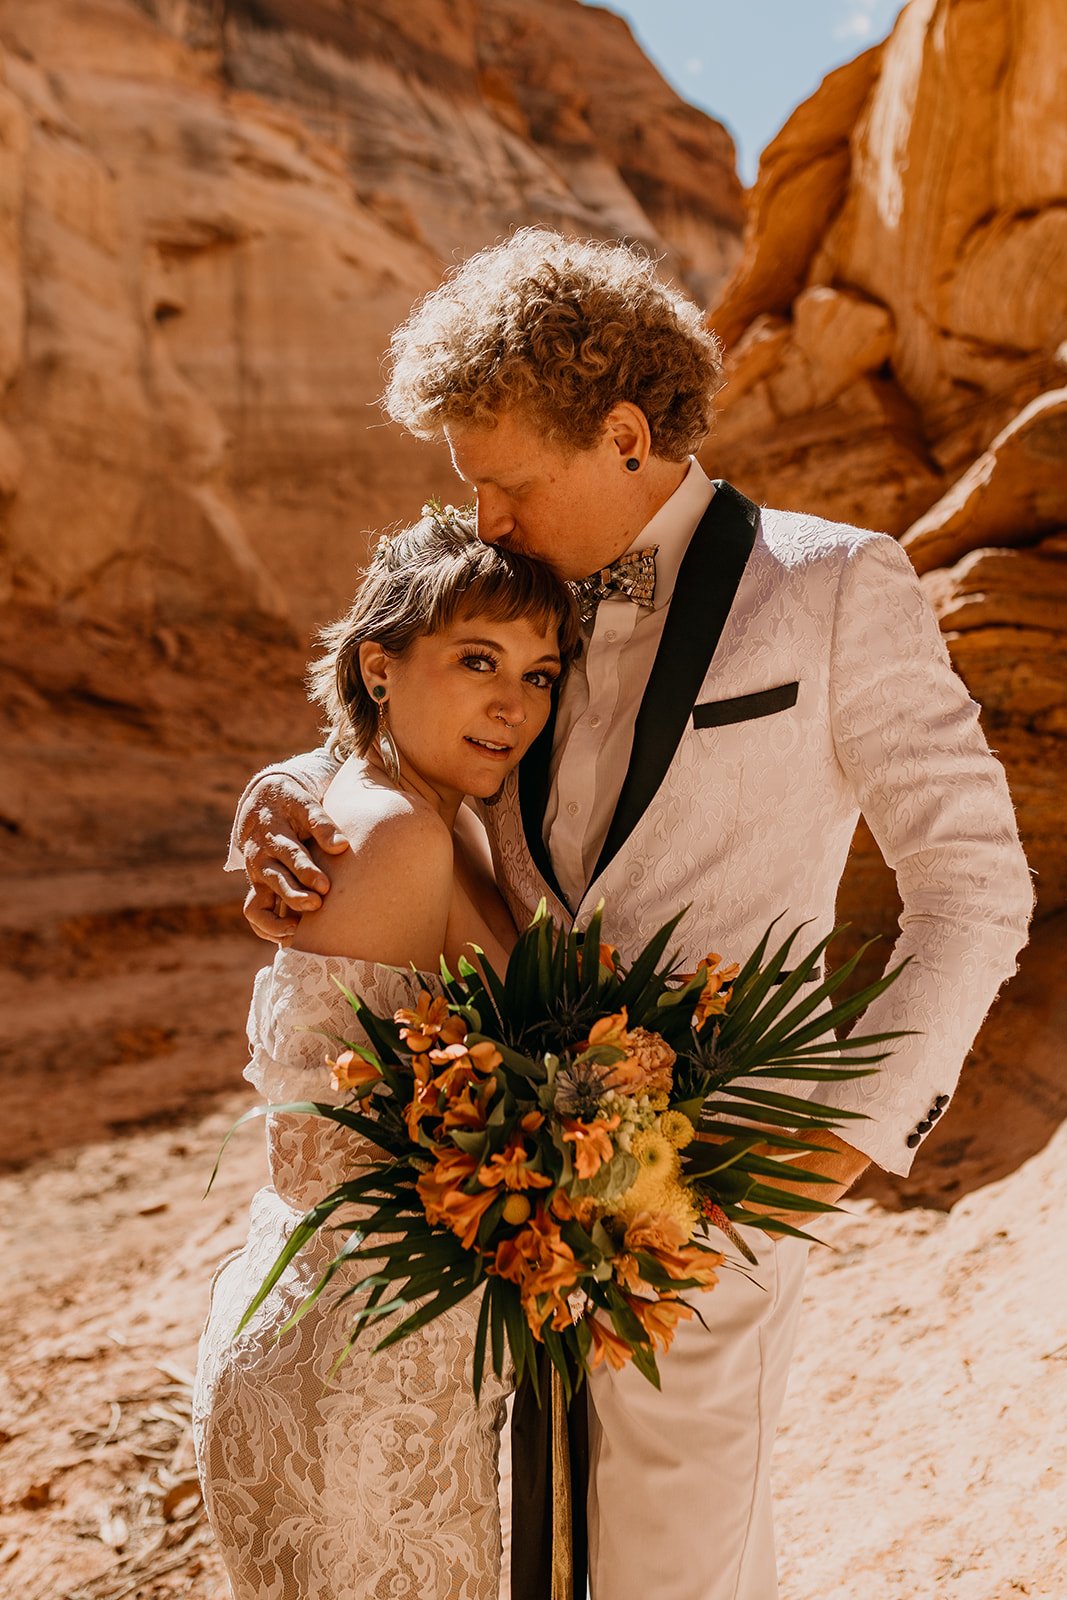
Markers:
point(549, 1483)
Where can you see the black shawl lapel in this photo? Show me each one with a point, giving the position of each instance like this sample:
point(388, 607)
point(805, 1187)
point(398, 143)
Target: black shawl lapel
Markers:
point(704, 592)
point(533, 798)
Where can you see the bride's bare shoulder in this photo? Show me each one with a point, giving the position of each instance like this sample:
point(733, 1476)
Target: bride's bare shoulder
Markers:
point(391, 890)
point(374, 817)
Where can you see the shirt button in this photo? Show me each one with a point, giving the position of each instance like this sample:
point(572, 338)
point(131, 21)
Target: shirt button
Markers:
point(574, 808)
point(611, 635)
point(594, 722)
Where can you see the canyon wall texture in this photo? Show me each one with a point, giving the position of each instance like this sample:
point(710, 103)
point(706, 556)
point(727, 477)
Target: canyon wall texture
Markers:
point(212, 212)
point(896, 358)
point(212, 215)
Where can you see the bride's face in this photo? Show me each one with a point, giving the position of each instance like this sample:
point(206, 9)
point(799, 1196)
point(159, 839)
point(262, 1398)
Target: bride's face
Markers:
point(465, 704)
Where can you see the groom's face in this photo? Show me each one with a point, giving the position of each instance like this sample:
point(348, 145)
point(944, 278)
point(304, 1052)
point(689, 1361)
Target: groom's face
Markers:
point(570, 508)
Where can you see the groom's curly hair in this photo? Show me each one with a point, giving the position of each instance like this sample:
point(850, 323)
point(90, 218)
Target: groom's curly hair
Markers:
point(560, 330)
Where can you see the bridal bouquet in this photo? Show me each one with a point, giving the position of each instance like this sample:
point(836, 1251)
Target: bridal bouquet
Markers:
point(571, 1137)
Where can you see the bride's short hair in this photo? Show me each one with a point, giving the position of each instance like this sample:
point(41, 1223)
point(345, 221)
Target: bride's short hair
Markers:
point(416, 583)
point(559, 330)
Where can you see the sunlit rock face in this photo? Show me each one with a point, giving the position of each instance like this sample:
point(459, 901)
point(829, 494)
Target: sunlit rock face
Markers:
point(921, 188)
point(211, 218)
point(895, 336)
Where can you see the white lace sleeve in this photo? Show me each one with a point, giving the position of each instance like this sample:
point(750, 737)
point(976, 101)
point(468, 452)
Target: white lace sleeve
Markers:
point(299, 1015)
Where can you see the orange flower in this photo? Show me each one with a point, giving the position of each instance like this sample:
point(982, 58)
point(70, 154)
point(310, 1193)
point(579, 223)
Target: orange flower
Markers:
point(425, 1102)
point(485, 1056)
point(715, 994)
point(350, 1071)
point(445, 1201)
point(609, 1031)
point(607, 1344)
point(663, 1239)
point(468, 1110)
point(429, 1020)
point(532, 1121)
point(609, 957)
point(508, 1166)
point(647, 1067)
point(627, 1272)
point(538, 1260)
point(660, 1318)
point(591, 1141)
point(651, 1230)
point(583, 1209)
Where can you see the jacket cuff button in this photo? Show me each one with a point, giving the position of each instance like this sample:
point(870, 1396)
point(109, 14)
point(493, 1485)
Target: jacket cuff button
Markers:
point(933, 1113)
point(912, 1140)
point(941, 1102)
point(924, 1126)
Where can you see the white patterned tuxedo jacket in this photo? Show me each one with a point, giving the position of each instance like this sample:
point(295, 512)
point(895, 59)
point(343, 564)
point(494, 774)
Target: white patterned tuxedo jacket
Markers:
point(802, 679)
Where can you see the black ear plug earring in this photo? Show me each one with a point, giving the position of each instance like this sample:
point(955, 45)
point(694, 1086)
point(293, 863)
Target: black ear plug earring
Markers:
point(632, 464)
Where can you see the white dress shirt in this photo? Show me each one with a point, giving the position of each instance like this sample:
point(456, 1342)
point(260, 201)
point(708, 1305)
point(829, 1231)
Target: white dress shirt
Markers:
point(602, 694)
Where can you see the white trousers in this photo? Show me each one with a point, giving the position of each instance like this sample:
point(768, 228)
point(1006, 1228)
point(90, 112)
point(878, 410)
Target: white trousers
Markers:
point(679, 1494)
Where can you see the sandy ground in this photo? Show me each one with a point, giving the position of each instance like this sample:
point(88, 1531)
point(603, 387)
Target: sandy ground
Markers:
point(922, 1451)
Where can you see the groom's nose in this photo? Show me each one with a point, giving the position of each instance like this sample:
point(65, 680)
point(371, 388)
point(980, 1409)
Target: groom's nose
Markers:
point(495, 520)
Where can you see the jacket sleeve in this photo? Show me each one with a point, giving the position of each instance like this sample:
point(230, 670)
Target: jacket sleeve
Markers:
point(313, 771)
point(907, 735)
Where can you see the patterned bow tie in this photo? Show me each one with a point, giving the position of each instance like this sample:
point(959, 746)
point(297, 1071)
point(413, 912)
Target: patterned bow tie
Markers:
point(633, 575)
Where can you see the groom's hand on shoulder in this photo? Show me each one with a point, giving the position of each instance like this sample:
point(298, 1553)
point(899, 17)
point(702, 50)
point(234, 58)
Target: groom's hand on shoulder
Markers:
point(276, 826)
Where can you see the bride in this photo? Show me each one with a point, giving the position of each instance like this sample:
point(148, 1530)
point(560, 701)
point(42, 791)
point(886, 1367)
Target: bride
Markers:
point(379, 1481)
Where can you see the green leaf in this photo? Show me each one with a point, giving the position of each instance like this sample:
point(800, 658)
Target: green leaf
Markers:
point(781, 1102)
point(480, 1332)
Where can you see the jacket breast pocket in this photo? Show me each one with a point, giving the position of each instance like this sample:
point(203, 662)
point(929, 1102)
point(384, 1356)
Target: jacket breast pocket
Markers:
point(745, 707)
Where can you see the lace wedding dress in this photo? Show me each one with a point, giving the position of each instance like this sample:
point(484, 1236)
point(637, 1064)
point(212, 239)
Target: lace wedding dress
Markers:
point(383, 1480)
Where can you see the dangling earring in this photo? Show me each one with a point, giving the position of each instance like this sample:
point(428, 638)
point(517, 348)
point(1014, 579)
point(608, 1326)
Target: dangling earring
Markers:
point(386, 742)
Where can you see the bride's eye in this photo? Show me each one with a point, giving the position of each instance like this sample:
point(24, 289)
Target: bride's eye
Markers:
point(479, 661)
point(542, 680)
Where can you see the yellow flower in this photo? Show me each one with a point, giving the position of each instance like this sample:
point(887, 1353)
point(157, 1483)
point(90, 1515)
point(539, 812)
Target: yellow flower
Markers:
point(516, 1209)
point(676, 1126)
point(658, 1186)
point(656, 1153)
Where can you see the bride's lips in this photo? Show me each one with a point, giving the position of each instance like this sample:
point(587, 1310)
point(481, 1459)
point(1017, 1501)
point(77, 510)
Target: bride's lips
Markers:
point(495, 749)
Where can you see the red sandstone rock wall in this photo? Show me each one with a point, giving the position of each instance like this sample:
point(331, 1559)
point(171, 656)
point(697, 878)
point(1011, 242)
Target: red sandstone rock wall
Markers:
point(211, 216)
point(896, 331)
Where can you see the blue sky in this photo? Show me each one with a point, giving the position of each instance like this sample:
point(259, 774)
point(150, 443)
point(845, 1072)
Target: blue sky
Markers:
point(749, 62)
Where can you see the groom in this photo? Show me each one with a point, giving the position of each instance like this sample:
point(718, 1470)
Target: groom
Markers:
point(752, 680)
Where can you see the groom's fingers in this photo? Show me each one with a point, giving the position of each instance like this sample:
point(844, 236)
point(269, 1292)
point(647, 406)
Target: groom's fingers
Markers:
point(325, 831)
point(276, 877)
point(284, 863)
point(266, 916)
